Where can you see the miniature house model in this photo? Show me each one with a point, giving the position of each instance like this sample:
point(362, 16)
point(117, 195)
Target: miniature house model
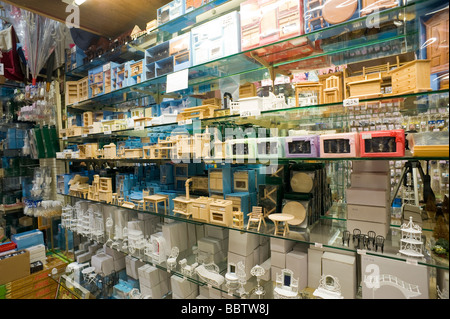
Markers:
point(411, 244)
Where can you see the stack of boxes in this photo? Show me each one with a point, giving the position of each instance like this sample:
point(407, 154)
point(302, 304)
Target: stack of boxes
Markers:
point(213, 246)
point(183, 288)
point(368, 198)
point(286, 254)
point(153, 282)
point(117, 257)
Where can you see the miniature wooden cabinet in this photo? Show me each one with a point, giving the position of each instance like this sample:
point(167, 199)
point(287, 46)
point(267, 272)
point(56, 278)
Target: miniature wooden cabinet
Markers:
point(221, 212)
point(87, 119)
point(200, 208)
point(369, 87)
point(247, 90)
point(308, 93)
point(411, 77)
point(105, 189)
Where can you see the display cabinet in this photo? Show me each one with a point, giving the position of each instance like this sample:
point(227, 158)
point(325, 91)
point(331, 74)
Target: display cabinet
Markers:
point(312, 163)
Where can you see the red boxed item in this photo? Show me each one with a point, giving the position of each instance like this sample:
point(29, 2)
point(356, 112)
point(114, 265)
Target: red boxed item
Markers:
point(382, 143)
point(7, 246)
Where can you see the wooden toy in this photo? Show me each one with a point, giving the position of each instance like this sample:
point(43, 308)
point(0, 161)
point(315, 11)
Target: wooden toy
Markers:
point(255, 217)
point(94, 188)
point(200, 184)
point(88, 150)
point(221, 212)
point(83, 90)
point(109, 151)
point(411, 77)
point(129, 205)
point(244, 181)
point(105, 189)
point(369, 87)
point(382, 143)
point(281, 222)
point(201, 146)
point(212, 101)
point(142, 122)
point(308, 93)
point(339, 145)
point(87, 119)
point(181, 206)
point(200, 208)
point(238, 219)
point(71, 95)
point(137, 70)
point(200, 112)
point(150, 200)
point(182, 146)
point(332, 90)
point(247, 90)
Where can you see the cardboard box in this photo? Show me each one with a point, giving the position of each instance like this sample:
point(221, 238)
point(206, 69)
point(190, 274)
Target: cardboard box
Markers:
point(281, 245)
point(103, 263)
point(371, 180)
point(342, 267)
point(297, 261)
point(278, 259)
point(314, 267)
point(182, 288)
point(374, 214)
point(242, 243)
point(385, 278)
point(273, 273)
point(368, 197)
point(216, 232)
point(247, 260)
point(370, 166)
point(14, 266)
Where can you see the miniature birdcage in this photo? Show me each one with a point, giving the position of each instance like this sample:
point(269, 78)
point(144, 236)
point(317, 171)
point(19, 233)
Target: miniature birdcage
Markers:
point(411, 244)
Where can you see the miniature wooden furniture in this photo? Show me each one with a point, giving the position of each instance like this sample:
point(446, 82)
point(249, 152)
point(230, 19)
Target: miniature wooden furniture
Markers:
point(153, 200)
point(212, 101)
point(255, 217)
point(105, 189)
point(411, 77)
point(221, 212)
point(331, 90)
point(141, 203)
point(142, 122)
point(128, 205)
point(181, 206)
point(238, 219)
point(93, 189)
point(88, 150)
point(109, 151)
point(281, 222)
point(200, 112)
point(132, 153)
point(369, 87)
point(308, 93)
point(247, 90)
point(199, 208)
point(87, 118)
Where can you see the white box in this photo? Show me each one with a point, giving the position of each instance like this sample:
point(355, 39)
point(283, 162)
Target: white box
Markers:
point(278, 259)
point(374, 166)
point(145, 291)
point(175, 234)
point(103, 263)
point(247, 260)
point(132, 264)
point(314, 267)
point(266, 265)
point(273, 273)
point(203, 291)
point(183, 288)
point(379, 228)
point(281, 245)
point(297, 261)
point(264, 252)
point(119, 264)
point(391, 275)
point(371, 180)
point(114, 253)
point(159, 290)
point(242, 243)
point(368, 197)
point(209, 245)
point(344, 268)
point(84, 258)
point(216, 232)
point(376, 214)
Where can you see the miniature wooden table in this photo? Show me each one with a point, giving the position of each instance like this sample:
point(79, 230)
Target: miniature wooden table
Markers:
point(283, 219)
point(155, 199)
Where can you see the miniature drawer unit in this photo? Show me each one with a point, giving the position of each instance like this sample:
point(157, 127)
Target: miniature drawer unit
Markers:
point(382, 143)
point(164, 66)
point(200, 208)
point(105, 189)
point(83, 89)
point(339, 145)
point(430, 144)
point(302, 146)
point(221, 212)
point(269, 148)
point(216, 38)
point(244, 181)
point(170, 11)
point(240, 148)
point(320, 14)
point(411, 77)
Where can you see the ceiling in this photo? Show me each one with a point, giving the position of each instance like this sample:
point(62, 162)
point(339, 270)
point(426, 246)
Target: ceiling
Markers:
point(108, 18)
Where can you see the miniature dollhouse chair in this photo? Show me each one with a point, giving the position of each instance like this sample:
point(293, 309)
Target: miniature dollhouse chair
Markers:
point(172, 259)
point(286, 285)
point(255, 217)
point(141, 203)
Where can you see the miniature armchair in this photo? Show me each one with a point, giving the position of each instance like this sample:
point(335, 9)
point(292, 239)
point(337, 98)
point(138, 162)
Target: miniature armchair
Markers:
point(255, 217)
point(172, 259)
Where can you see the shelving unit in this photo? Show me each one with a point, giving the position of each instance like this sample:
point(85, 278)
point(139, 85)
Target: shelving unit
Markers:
point(347, 43)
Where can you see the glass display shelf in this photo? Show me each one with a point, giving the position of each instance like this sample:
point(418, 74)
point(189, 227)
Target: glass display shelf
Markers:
point(323, 232)
point(248, 65)
point(314, 117)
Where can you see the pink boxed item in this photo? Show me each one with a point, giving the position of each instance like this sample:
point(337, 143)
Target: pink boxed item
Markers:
point(302, 146)
point(382, 143)
point(339, 145)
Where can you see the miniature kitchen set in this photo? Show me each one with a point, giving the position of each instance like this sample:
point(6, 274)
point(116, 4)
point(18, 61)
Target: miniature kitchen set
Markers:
point(293, 157)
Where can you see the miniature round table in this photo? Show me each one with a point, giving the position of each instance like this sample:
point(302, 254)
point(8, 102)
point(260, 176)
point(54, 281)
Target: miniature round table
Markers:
point(155, 199)
point(283, 220)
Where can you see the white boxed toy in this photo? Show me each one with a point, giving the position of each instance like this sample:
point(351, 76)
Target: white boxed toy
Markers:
point(344, 268)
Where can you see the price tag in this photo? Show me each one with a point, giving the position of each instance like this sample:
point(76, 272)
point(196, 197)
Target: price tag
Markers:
point(366, 136)
point(251, 112)
point(64, 138)
point(351, 102)
point(318, 245)
point(139, 128)
point(107, 132)
point(411, 261)
point(84, 135)
point(361, 251)
point(185, 122)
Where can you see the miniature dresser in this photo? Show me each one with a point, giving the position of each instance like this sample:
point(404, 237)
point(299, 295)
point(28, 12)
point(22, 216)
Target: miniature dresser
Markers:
point(411, 77)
